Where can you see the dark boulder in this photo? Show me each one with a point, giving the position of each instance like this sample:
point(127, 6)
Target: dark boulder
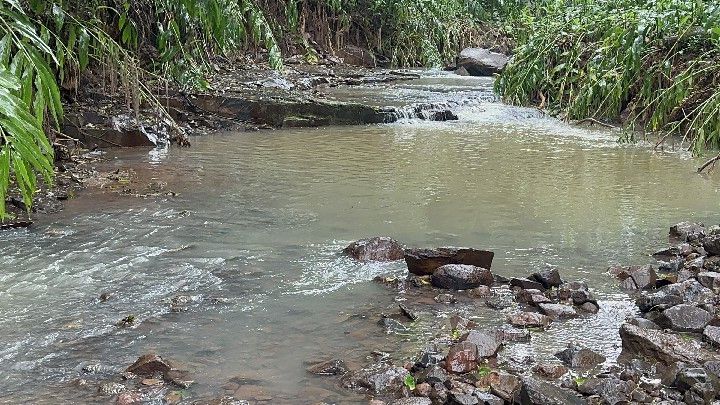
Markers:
point(635, 277)
point(504, 385)
point(548, 278)
point(487, 398)
point(558, 311)
point(458, 398)
point(424, 262)
point(462, 358)
point(698, 381)
point(378, 249)
point(709, 279)
point(711, 244)
point(481, 62)
point(611, 390)
point(687, 231)
point(526, 284)
point(685, 318)
point(148, 365)
point(577, 292)
point(537, 392)
point(581, 358)
point(461, 277)
point(487, 342)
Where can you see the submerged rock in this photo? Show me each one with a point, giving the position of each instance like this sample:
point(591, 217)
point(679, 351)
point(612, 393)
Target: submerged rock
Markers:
point(529, 319)
point(577, 357)
point(329, 367)
point(148, 365)
point(481, 62)
point(424, 262)
point(461, 277)
point(379, 249)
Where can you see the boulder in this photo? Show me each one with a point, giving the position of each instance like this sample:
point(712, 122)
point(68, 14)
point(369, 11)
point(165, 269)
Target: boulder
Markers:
point(688, 292)
point(687, 231)
point(660, 346)
point(685, 318)
point(487, 342)
point(550, 371)
point(635, 277)
point(537, 392)
point(379, 378)
point(510, 334)
point(698, 381)
point(377, 249)
point(424, 262)
point(505, 386)
point(577, 292)
point(548, 278)
point(709, 279)
point(481, 62)
point(581, 358)
point(711, 244)
point(611, 390)
point(526, 284)
point(462, 358)
point(558, 311)
point(487, 398)
point(529, 319)
point(435, 375)
point(458, 398)
point(461, 277)
point(413, 401)
point(357, 56)
point(711, 334)
point(148, 365)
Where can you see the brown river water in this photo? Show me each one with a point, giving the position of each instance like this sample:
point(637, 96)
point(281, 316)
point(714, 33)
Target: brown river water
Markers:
point(254, 232)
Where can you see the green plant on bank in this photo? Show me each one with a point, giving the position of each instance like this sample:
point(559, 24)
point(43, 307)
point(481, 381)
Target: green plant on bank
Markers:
point(410, 382)
point(654, 65)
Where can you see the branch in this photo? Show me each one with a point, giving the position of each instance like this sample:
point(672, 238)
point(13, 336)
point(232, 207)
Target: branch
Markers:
point(710, 162)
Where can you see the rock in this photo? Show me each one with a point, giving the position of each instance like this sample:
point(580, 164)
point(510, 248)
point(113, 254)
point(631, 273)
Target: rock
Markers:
point(644, 323)
point(526, 284)
point(357, 56)
point(537, 392)
point(548, 278)
point(711, 334)
point(551, 371)
point(577, 292)
point(660, 299)
point(462, 358)
point(487, 398)
point(436, 375)
point(442, 115)
point(407, 312)
point(445, 299)
point(111, 388)
point(429, 358)
point(581, 358)
point(461, 277)
point(667, 254)
point(379, 378)
point(529, 319)
point(481, 62)
point(687, 231)
point(697, 380)
point(482, 291)
point(179, 378)
point(558, 311)
point(487, 343)
point(456, 398)
point(391, 325)
point(590, 307)
point(377, 249)
point(709, 279)
point(688, 292)
point(505, 386)
point(526, 296)
point(660, 346)
point(148, 365)
point(685, 318)
point(413, 401)
point(329, 367)
point(424, 262)
point(644, 277)
point(612, 390)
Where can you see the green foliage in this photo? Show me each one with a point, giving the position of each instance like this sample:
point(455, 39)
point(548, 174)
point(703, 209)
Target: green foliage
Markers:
point(410, 382)
point(654, 64)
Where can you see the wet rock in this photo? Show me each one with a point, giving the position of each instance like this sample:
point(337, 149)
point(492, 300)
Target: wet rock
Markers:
point(527, 296)
point(644, 277)
point(461, 277)
point(330, 367)
point(423, 389)
point(671, 266)
point(481, 62)
point(660, 346)
point(685, 318)
point(529, 319)
point(505, 386)
point(657, 300)
point(667, 254)
point(709, 279)
point(148, 365)
point(391, 325)
point(413, 401)
point(180, 378)
point(611, 390)
point(590, 307)
point(378, 249)
point(526, 284)
point(482, 291)
point(687, 231)
point(429, 358)
point(487, 342)
point(379, 378)
point(510, 334)
point(445, 299)
point(578, 357)
point(462, 358)
point(548, 278)
point(111, 388)
point(443, 115)
point(408, 312)
point(537, 392)
point(550, 371)
point(577, 292)
point(424, 262)
point(558, 311)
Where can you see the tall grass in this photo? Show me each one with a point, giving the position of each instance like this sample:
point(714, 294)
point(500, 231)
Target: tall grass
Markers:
point(654, 65)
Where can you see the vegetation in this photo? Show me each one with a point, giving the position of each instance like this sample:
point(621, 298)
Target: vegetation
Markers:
point(654, 65)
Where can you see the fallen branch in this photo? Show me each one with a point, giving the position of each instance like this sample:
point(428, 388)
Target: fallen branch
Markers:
point(710, 162)
point(594, 121)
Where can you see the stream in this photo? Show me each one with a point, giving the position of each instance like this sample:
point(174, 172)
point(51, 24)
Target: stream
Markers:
point(253, 236)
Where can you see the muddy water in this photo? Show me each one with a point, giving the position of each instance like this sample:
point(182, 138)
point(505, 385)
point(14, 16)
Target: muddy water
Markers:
point(253, 234)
